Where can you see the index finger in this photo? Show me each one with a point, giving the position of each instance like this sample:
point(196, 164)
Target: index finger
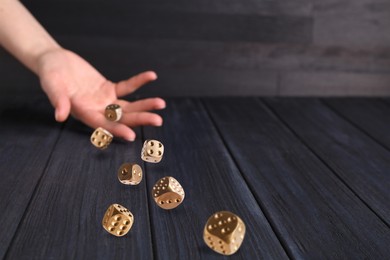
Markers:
point(130, 85)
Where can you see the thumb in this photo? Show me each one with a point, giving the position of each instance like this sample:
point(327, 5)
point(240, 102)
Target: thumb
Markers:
point(62, 108)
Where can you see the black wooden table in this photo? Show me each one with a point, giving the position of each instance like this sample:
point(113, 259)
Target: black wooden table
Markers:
point(309, 177)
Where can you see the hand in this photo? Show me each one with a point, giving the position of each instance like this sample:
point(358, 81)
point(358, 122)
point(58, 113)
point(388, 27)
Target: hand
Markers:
point(74, 87)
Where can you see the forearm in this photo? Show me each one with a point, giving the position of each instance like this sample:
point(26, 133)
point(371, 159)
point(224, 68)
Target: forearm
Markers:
point(22, 35)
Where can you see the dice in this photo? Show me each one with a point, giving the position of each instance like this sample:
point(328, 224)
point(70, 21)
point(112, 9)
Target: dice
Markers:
point(101, 138)
point(117, 220)
point(113, 112)
point(168, 193)
point(152, 151)
point(224, 232)
point(130, 174)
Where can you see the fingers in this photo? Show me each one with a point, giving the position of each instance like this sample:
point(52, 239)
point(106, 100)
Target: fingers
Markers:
point(95, 120)
point(142, 105)
point(62, 108)
point(122, 128)
point(128, 86)
point(122, 131)
point(141, 118)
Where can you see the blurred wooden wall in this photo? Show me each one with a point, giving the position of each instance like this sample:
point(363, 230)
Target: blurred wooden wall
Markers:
point(223, 47)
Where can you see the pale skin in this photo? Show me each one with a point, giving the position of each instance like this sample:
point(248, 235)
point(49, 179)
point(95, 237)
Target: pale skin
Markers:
point(73, 86)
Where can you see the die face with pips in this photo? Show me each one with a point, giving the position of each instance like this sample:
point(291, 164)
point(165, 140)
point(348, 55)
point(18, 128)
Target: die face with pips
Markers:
point(113, 112)
point(101, 138)
point(117, 220)
point(224, 232)
point(152, 151)
point(168, 193)
point(130, 174)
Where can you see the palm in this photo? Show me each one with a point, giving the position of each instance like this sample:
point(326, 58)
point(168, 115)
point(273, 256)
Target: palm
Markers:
point(74, 86)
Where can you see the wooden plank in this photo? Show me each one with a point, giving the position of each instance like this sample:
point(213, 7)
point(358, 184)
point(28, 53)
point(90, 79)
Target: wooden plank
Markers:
point(370, 115)
point(28, 135)
point(217, 68)
point(312, 211)
point(334, 18)
point(331, 83)
point(359, 161)
point(276, 7)
point(64, 218)
point(199, 82)
point(197, 158)
point(143, 23)
point(175, 53)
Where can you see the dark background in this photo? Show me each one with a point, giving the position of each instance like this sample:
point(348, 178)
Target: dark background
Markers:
point(223, 47)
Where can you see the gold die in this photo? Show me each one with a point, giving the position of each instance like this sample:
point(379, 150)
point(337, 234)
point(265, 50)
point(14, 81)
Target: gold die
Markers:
point(168, 193)
point(224, 232)
point(152, 151)
point(101, 138)
point(113, 112)
point(130, 174)
point(117, 220)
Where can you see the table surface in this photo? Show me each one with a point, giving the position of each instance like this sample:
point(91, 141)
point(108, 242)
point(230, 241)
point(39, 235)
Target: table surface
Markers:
point(309, 177)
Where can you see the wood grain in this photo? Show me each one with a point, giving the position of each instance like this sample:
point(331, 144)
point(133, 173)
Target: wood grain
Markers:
point(314, 214)
point(143, 23)
point(179, 53)
point(305, 175)
point(363, 20)
point(28, 135)
point(65, 215)
point(370, 115)
point(358, 160)
point(330, 83)
point(277, 7)
point(276, 48)
point(196, 156)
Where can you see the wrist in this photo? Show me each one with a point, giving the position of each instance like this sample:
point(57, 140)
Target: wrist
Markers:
point(48, 60)
point(39, 51)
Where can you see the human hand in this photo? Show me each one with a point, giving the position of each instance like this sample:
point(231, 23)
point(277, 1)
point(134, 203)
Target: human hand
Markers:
point(74, 87)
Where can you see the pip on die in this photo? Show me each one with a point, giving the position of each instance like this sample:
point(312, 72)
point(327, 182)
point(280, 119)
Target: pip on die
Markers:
point(152, 151)
point(224, 232)
point(101, 138)
point(117, 220)
point(113, 112)
point(168, 193)
point(130, 174)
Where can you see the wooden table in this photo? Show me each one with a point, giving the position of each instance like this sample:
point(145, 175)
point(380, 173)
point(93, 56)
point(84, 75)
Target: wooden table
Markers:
point(309, 177)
